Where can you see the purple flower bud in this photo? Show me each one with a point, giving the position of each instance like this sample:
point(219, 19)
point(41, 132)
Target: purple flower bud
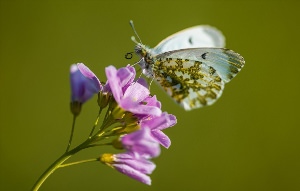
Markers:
point(84, 83)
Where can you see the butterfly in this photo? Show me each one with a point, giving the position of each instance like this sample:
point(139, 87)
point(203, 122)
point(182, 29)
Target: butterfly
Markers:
point(192, 65)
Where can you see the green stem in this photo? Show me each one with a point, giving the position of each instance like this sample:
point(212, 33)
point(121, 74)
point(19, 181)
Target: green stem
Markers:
point(105, 117)
point(100, 144)
point(86, 144)
point(59, 161)
point(96, 123)
point(49, 171)
point(78, 162)
point(72, 132)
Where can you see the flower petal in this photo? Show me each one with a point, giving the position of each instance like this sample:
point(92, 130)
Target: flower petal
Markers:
point(136, 92)
point(171, 121)
point(77, 83)
point(132, 173)
point(163, 121)
point(141, 109)
point(84, 83)
point(143, 165)
point(114, 82)
point(141, 142)
point(162, 138)
point(125, 76)
point(152, 101)
point(143, 82)
point(158, 123)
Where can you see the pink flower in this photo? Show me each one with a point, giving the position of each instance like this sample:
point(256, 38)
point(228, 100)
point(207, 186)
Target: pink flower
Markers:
point(130, 165)
point(136, 168)
point(135, 162)
point(128, 94)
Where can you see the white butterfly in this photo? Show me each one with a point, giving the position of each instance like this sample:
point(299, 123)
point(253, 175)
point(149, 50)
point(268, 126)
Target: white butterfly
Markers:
point(191, 65)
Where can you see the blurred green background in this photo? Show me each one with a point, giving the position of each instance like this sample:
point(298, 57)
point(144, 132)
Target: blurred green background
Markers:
point(248, 140)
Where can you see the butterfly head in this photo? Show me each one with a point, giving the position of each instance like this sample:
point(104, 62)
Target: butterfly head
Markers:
point(140, 50)
point(145, 61)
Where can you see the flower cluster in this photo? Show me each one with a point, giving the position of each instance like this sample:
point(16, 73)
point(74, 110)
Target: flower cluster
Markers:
point(134, 118)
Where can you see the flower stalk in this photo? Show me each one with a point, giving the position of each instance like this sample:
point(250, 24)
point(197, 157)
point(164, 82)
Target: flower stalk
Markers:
point(72, 133)
point(58, 163)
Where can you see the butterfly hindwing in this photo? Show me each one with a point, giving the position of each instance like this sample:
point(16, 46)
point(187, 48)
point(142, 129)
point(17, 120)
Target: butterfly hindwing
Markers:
point(190, 83)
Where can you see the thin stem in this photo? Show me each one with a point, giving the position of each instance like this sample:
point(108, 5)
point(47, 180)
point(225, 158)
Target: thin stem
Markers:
point(96, 123)
point(49, 171)
point(100, 144)
point(78, 162)
point(72, 132)
point(59, 161)
point(86, 144)
point(108, 120)
point(105, 117)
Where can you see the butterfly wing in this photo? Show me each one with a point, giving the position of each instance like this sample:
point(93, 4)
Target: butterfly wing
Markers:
point(196, 77)
point(194, 37)
point(227, 63)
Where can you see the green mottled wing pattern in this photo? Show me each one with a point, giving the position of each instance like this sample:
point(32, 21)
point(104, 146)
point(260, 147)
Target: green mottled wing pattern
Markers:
point(195, 77)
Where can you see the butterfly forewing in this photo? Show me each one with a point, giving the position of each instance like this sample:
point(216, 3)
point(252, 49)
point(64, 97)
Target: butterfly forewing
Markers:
point(193, 37)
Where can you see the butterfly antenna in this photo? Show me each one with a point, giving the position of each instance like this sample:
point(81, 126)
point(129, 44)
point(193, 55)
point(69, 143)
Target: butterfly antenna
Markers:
point(132, 38)
point(133, 65)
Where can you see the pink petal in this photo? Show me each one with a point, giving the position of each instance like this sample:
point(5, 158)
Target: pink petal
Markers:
point(132, 173)
point(163, 139)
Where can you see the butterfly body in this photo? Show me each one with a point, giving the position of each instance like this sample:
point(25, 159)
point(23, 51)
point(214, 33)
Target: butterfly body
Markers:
point(192, 76)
